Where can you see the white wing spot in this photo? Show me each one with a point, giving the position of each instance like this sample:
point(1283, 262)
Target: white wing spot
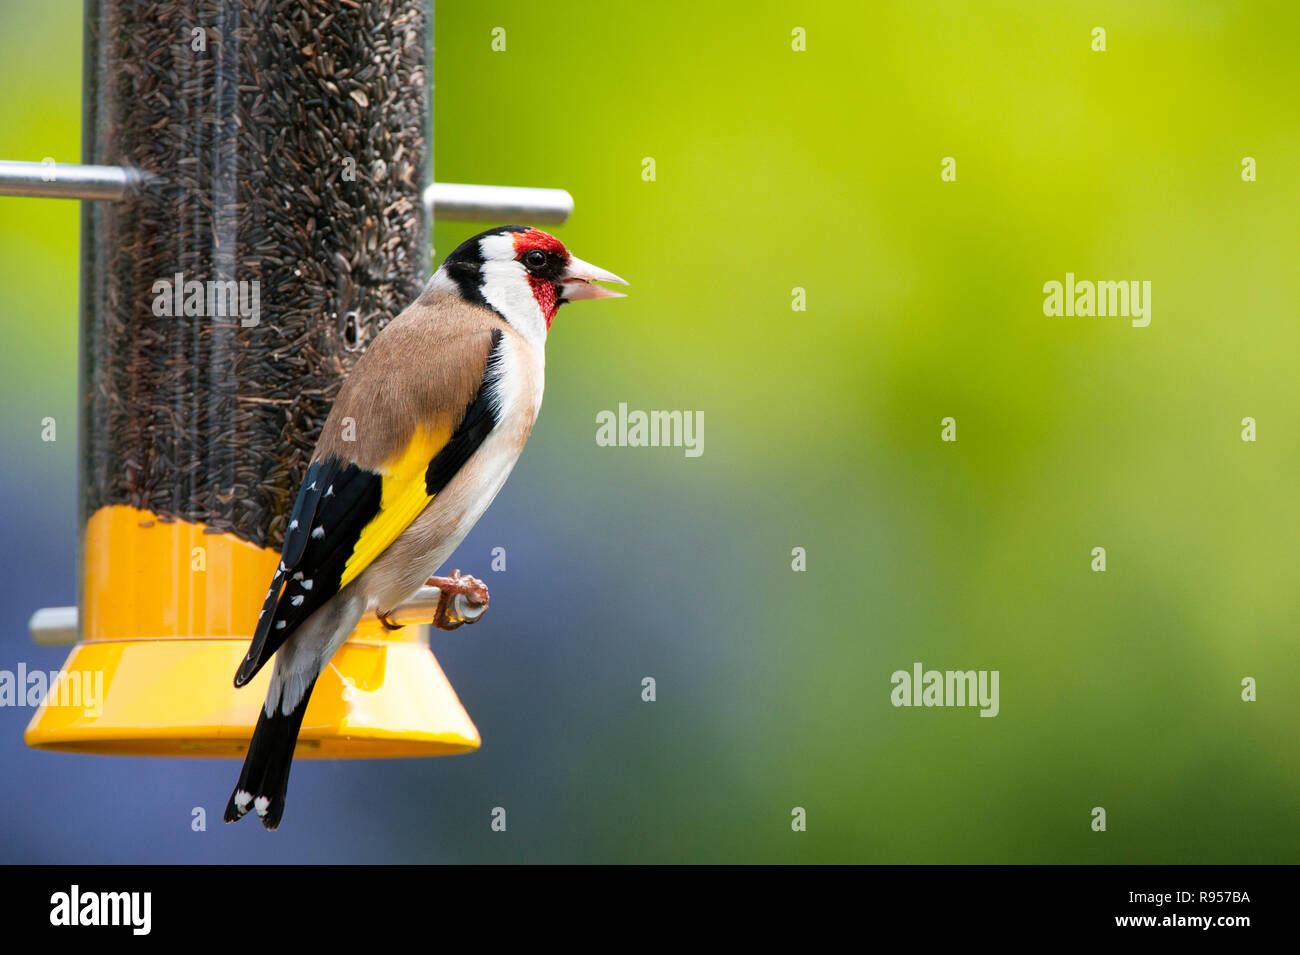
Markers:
point(261, 804)
point(306, 585)
point(329, 491)
point(279, 625)
point(242, 799)
point(293, 525)
point(296, 601)
point(298, 576)
point(319, 532)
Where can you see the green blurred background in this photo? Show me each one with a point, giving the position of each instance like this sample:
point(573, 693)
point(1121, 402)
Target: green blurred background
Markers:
point(821, 170)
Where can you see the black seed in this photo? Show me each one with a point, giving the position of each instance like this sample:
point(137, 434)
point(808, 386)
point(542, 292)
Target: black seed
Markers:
point(199, 418)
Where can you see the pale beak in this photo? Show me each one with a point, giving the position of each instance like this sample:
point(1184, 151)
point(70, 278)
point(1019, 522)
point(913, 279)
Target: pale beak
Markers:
point(577, 279)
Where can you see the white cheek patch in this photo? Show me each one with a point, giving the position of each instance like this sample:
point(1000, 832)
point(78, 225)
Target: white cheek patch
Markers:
point(506, 287)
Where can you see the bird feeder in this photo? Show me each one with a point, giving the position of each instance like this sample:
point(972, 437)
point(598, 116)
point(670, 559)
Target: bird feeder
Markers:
point(260, 181)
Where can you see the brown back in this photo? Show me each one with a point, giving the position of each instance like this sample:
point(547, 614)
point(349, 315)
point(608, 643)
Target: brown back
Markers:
point(424, 368)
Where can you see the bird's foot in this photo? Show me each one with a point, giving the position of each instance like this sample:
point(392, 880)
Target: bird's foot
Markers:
point(388, 624)
point(463, 600)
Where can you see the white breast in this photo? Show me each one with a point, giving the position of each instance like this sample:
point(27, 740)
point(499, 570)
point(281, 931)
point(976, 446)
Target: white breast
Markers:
point(424, 546)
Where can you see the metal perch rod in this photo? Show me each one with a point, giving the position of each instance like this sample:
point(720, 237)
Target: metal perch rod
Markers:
point(57, 626)
point(468, 203)
point(54, 180)
point(457, 201)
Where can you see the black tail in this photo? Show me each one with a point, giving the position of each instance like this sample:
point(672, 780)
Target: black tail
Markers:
point(264, 779)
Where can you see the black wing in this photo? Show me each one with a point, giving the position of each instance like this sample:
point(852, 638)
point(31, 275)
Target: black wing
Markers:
point(341, 497)
point(334, 506)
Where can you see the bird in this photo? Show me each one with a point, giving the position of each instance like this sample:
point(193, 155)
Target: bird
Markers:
point(422, 435)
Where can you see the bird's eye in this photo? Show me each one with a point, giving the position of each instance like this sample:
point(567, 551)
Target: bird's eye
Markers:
point(534, 259)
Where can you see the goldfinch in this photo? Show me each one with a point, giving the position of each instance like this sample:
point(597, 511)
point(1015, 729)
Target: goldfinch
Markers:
point(421, 438)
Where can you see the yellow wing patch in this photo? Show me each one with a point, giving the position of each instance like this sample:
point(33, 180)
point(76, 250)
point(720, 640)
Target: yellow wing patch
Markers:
point(403, 498)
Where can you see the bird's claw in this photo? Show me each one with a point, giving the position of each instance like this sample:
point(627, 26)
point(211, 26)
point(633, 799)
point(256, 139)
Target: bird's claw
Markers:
point(464, 600)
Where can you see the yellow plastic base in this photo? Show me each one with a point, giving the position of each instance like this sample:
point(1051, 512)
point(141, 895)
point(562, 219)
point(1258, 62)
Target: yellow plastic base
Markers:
point(164, 629)
point(174, 698)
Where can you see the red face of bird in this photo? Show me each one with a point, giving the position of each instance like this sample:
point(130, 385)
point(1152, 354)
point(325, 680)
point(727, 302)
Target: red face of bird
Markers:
point(525, 275)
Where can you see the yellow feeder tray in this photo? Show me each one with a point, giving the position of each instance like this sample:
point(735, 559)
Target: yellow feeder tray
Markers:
point(167, 611)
